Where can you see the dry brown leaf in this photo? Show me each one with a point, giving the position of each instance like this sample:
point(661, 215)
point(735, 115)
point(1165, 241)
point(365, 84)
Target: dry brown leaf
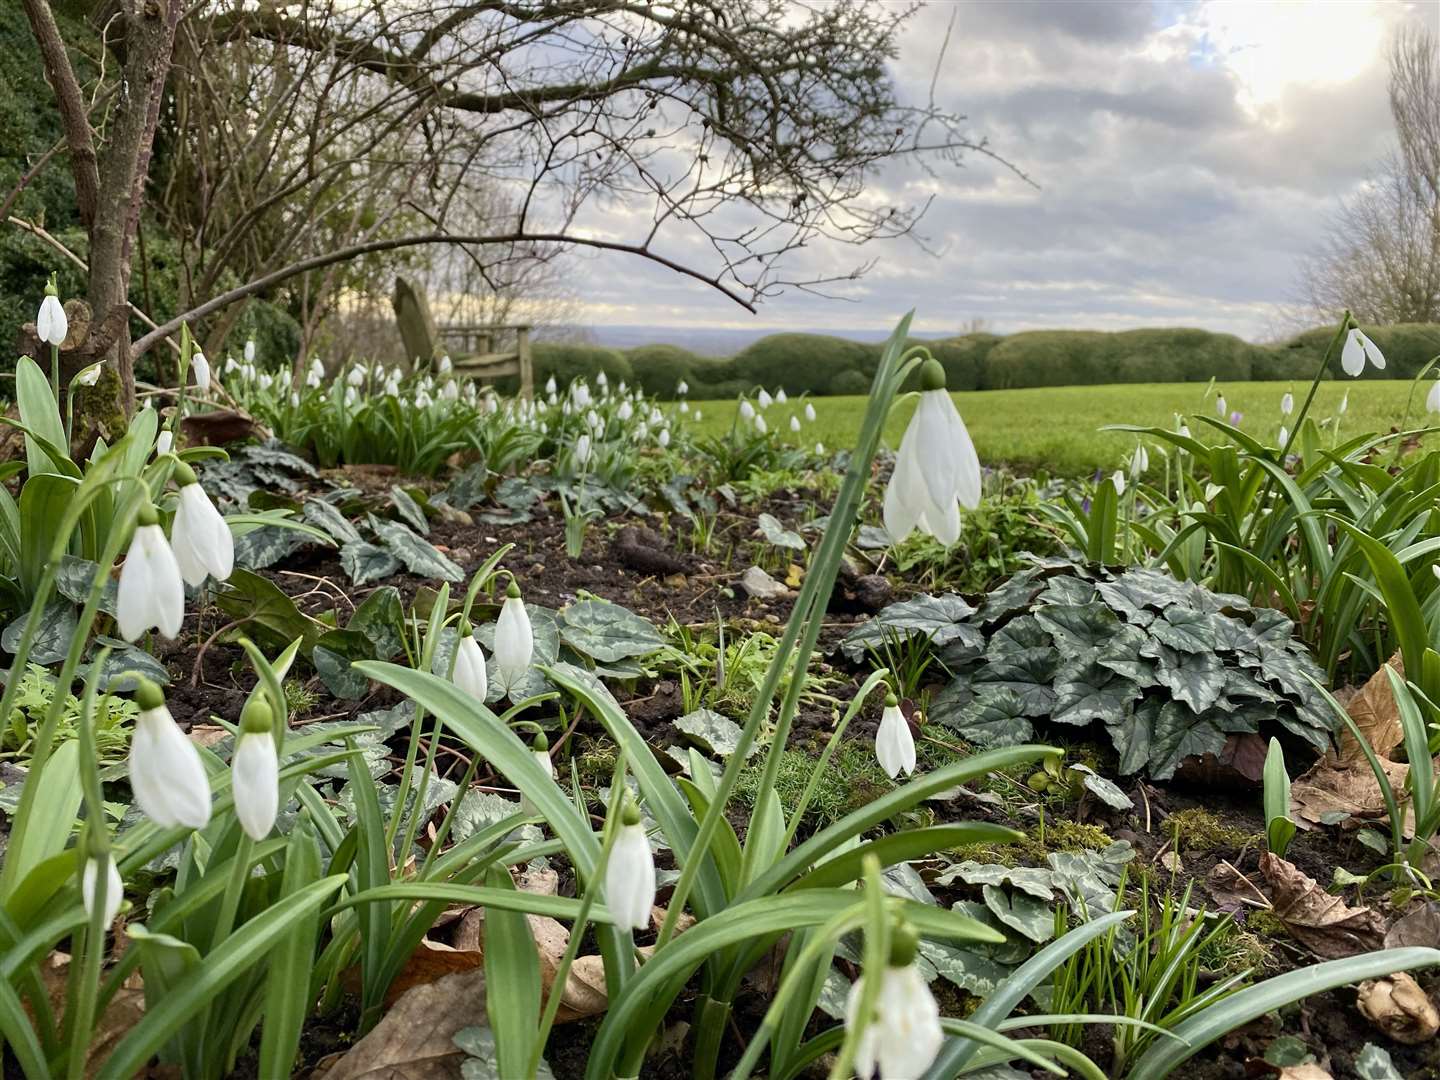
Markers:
point(1308, 1071)
point(430, 961)
point(1376, 715)
point(1324, 924)
point(1420, 927)
point(1399, 1008)
point(126, 1009)
point(1229, 888)
point(415, 1040)
point(1329, 787)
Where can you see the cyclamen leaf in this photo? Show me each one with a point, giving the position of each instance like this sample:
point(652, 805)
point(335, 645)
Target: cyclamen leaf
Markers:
point(326, 516)
point(777, 534)
point(409, 510)
point(52, 642)
point(420, 556)
point(1077, 627)
point(711, 731)
point(1180, 733)
point(366, 562)
point(1030, 916)
point(996, 717)
point(1185, 630)
point(1373, 1063)
point(607, 632)
point(1197, 679)
point(941, 619)
point(1096, 694)
point(1103, 789)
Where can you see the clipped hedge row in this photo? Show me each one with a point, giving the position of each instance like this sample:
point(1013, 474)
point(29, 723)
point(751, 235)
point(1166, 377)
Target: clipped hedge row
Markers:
point(823, 365)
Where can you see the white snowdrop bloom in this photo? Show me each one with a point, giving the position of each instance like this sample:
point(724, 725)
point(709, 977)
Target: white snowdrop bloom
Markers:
point(163, 442)
point(747, 411)
point(582, 450)
point(936, 468)
point(819, 449)
point(1185, 430)
point(312, 380)
point(249, 350)
point(1358, 349)
point(201, 369)
point(780, 397)
point(470, 674)
point(764, 399)
point(642, 431)
point(167, 776)
point(492, 405)
point(356, 377)
point(1140, 462)
point(794, 423)
point(1119, 481)
point(684, 407)
point(352, 396)
point(664, 438)
point(151, 592)
point(580, 395)
point(445, 365)
point(625, 412)
point(255, 769)
point(230, 365)
point(809, 412)
point(514, 638)
point(630, 874)
point(1220, 409)
point(894, 745)
point(760, 425)
point(903, 1036)
point(51, 323)
point(114, 887)
point(202, 541)
point(593, 421)
point(682, 388)
point(247, 371)
point(656, 417)
point(450, 392)
point(90, 375)
point(1287, 403)
point(601, 380)
point(1432, 399)
point(317, 369)
point(1284, 436)
point(699, 416)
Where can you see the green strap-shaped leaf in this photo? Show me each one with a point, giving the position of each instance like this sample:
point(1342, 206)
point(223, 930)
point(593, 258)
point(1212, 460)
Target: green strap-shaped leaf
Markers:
point(512, 972)
point(288, 983)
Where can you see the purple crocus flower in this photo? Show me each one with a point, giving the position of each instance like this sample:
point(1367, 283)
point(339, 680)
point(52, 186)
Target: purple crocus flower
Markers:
point(1235, 418)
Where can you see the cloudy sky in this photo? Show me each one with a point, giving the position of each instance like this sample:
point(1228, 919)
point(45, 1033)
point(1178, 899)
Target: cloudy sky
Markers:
point(1187, 155)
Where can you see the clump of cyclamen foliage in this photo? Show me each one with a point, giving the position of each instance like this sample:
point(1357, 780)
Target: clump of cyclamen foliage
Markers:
point(1166, 668)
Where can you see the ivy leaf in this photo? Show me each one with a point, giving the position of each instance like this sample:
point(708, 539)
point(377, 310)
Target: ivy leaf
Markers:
point(365, 562)
point(420, 556)
point(1078, 627)
point(325, 516)
point(777, 534)
point(607, 632)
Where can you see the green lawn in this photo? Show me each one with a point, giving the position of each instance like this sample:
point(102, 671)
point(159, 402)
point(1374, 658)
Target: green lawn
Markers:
point(1057, 428)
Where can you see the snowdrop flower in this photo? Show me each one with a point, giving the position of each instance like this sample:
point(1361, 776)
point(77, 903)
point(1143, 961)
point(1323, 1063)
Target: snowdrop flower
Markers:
point(470, 674)
point(317, 369)
point(514, 638)
point(630, 873)
point(450, 392)
point(90, 375)
point(1284, 436)
point(1358, 349)
point(581, 395)
point(356, 377)
point(255, 768)
point(780, 397)
point(250, 350)
point(230, 365)
point(422, 399)
point(760, 425)
point(1220, 408)
point(1344, 403)
point(550, 385)
point(601, 380)
point(699, 416)
point(352, 396)
point(936, 469)
point(682, 388)
point(747, 411)
point(202, 542)
point(201, 367)
point(151, 591)
point(1287, 403)
point(445, 365)
point(819, 449)
point(684, 407)
point(794, 423)
point(664, 438)
point(642, 431)
point(1432, 399)
point(1140, 462)
point(903, 1036)
point(114, 887)
point(294, 399)
point(593, 421)
point(167, 776)
point(625, 411)
point(1119, 481)
point(51, 324)
point(163, 442)
point(894, 745)
point(656, 417)
point(312, 380)
point(1185, 430)
point(582, 450)
point(809, 412)
point(764, 398)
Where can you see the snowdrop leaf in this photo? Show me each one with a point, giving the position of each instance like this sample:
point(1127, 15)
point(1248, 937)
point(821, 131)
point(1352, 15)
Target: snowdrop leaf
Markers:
point(607, 632)
point(366, 562)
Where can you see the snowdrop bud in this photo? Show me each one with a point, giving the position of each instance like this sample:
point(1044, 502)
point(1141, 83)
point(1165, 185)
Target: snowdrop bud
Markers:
point(682, 388)
point(470, 674)
point(747, 411)
point(167, 776)
point(1119, 481)
point(201, 367)
point(581, 395)
point(352, 396)
point(630, 873)
point(780, 397)
point(1284, 436)
point(698, 416)
point(1185, 430)
point(936, 468)
point(356, 377)
point(764, 399)
point(1220, 408)
point(312, 380)
point(151, 591)
point(445, 365)
point(809, 412)
point(201, 539)
point(230, 365)
point(1140, 462)
point(894, 745)
point(642, 431)
point(255, 768)
point(903, 1036)
point(450, 392)
point(294, 399)
point(514, 638)
point(163, 442)
point(550, 386)
point(794, 423)
point(601, 380)
point(582, 450)
point(656, 417)
point(91, 375)
point(1432, 399)
point(51, 324)
point(1344, 403)
point(625, 411)
point(114, 887)
point(664, 438)
point(593, 421)
point(317, 369)
point(249, 350)
point(684, 407)
point(819, 449)
point(1287, 403)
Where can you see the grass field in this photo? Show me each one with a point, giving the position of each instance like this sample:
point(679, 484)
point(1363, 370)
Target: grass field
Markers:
point(1057, 428)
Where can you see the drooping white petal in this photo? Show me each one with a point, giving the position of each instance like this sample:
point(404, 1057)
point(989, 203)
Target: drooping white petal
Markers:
point(894, 745)
point(201, 367)
point(1119, 481)
point(1220, 409)
point(1432, 399)
point(514, 641)
point(1287, 403)
point(470, 674)
point(256, 770)
point(1352, 357)
point(904, 1035)
point(630, 879)
point(809, 412)
point(905, 495)
point(163, 442)
point(202, 542)
point(1372, 351)
point(114, 888)
point(151, 592)
point(167, 776)
point(1284, 436)
point(51, 323)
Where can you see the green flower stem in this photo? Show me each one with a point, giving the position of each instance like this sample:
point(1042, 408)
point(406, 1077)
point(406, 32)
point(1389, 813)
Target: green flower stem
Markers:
point(438, 619)
point(234, 890)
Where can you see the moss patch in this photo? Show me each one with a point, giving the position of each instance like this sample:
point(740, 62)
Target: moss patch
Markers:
point(1198, 830)
point(1061, 834)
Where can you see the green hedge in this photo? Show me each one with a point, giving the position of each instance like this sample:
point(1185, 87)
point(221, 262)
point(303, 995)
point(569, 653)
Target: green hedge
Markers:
point(1408, 347)
point(1090, 357)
